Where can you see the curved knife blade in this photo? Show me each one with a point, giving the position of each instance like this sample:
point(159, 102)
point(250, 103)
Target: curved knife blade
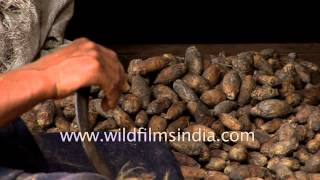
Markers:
point(82, 100)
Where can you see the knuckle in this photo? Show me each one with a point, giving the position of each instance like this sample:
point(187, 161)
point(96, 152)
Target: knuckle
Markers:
point(94, 54)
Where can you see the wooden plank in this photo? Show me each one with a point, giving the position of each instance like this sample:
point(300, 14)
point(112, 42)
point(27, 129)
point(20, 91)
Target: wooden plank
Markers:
point(310, 52)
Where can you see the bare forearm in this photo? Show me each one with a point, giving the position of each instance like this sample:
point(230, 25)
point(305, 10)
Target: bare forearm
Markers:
point(21, 90)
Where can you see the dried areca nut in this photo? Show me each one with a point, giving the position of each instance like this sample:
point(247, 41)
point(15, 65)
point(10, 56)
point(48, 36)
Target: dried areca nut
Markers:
point(267, 145)
point(293, 99)
point(157, 124)
point(158, 106)
point(141, 119)
point(261, 136)
point(238, 152)
point(232, 166)
point(74, 126)
point(216, 164)
point(271, 108)
point(213, 97)
point(246, 88)
point(286, 88)
point(261, 64)
point(314, 120)
point(313, 176)
point(206, 61)
point(212, 74)
point(201, 132)
point(175, 110)
point(153, 64)
point(302, 72)
point(274, 63)
point(256, 158)
point(106, 125)
point(193, 60)
point(303, 112)
point(312, 165)
point(283, 172)
point(216, 144)
point(313, 145)
point(264, 92)
point(196, 82)
point(54, 130)
point(300, 175)
point(218, 153)
point(122, 119)
point(301, 132)
point(96, 107)
point(231, 84)
point(190, 147)
point(286, 131)
point(244, 120)
point(311, 96)
point(224, 107)
point(189, 172)
point(267, 80)
point(61, 123)
point(230, 122)
point(184, 91)
point(291, 163)
point(287, 73)
point(198, 110)
point(185, 160)
point(130, 103)
point(267, 53)
point(272, 126)
point(217, 127)
point(283, 148)
point(29, 118)
point(134, 67)
point(171, 73)
point(246, 171)
point(140, 88)
point(215, 175)
point(302, 154)
point(178, 125)
point(309, 65)
point(46, 113)
point(242, 64)
point(162, 91)
point(67, 101)
point(245, 138)
point(258, 122)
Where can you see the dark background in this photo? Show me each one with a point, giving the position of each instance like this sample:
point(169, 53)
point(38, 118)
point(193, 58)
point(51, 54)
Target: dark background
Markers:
point(131, 23)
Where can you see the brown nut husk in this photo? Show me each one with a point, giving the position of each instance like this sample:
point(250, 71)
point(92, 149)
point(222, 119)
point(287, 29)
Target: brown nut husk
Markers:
point(162, 91)
point(257, 158)
point(193, 60)
point(185, 160)
point(198, 110)
point(246, 171)
point(171, 73)
point(238, 152)
point(175, 110)
point(271, 108)
point(122, 119)
point(130, 103)
point(224, 107)
point(178, 125)
point(231, 84)
point(264, 92)
point(314, 120)
point(141, 119)
point(272, 125)
point(158, 106)
point(243, 63)
point(215, 175)
point(185, 146)
point(140, 88)
point(184, 91)
point(212, 74)
point(230, 122)
point(189, 172)
point(106, 125)
point(157, 124)
point(213, 97)
point(302, 72)
point(46, 114)
point(246, 88)
point(260, 63)
point(216, 164)
point(149, 65)
point(196, 82)
point(312, 165)
point(267, 80)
